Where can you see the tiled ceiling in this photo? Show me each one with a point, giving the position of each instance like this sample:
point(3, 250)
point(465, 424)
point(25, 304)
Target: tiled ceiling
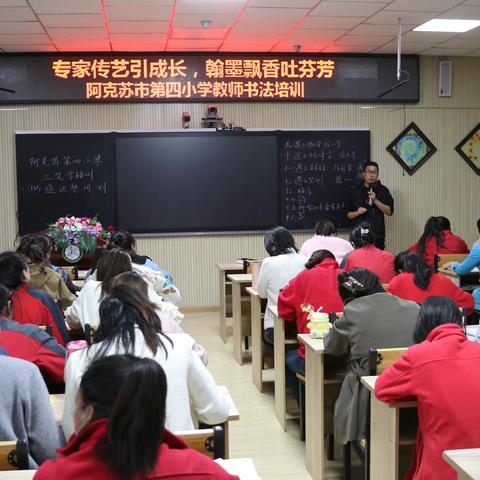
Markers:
point(235, 26)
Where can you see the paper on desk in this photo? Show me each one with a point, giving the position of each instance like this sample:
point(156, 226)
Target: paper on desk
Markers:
point(473, 332)
point(244, 468)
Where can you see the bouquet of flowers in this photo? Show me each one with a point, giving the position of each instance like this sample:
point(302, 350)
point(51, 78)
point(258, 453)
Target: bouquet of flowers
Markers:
point(75, 236)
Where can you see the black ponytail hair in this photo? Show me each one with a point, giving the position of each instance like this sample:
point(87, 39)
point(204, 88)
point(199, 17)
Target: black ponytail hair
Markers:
point(362, 235)
point(435, 311)
point(131, 392)
point(122, 239)
point(121, 311)
point(434, 227)
point(12, 266)
point(279, 241)
point(356, 283)
point(318, 256)
point(5, 294)
point(410, 262)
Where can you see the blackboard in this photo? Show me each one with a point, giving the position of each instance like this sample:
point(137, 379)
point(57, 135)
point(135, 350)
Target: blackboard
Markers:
point(317, 169)
point(62, 174)
point(189, 181)
point(196, 181)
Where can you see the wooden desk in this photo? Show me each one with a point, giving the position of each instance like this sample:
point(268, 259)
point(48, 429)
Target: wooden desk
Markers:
point(385, 440)
point(257, 339)
point(314, 415)
point(240, 302)
point(58, 404)
point(17, 475)
point(244, 468)
point(280, 341)
point(225, 269)
point(468, 282)
point(465, 462)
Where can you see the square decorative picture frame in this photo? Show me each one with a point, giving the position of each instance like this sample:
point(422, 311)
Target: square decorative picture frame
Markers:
point(469, 149)
point(411, 148)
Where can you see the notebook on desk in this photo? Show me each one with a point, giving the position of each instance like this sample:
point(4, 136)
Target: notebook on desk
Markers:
point(473, 332)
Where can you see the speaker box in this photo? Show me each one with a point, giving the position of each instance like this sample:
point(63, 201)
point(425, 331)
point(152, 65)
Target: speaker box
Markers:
point(445, 78)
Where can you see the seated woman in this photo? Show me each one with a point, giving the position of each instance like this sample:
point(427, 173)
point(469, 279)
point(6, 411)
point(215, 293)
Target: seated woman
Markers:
point(282, 265)
point(29, 343)
point(441, 372)
point(85, 308)
point(159, 278)
point(27, 304)
point(462, 268)
point(120, 413)
point(129, 325)
point(316, 287)
point(416, 281)
point(437, 238)
point(325, 238)
point(367, 255)
point(371, 318)
point(25, 410)
point(37, 249)
point(135, 282)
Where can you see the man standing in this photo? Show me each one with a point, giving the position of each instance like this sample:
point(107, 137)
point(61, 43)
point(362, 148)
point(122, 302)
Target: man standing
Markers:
point(370, 201)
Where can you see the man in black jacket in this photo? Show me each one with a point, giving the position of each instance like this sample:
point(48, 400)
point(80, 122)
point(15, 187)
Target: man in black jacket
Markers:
point(370, 201)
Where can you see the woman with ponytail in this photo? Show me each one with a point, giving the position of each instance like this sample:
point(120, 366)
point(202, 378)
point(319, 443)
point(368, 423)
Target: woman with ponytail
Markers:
point(371, 318)
point(367, 255)
point(129, 324)
point(416, 281)
point(438, 238)
point(121, 409)
point(37, 249)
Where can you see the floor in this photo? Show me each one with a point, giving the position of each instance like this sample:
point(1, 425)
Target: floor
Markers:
point(278, 455)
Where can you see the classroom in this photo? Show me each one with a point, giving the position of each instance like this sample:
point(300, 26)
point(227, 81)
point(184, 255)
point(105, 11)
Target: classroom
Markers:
point(444, 185)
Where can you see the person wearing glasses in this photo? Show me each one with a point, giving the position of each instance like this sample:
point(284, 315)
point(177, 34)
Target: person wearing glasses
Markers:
point(370, 201)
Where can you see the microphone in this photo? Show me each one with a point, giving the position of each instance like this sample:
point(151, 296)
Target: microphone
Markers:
point(370, 201)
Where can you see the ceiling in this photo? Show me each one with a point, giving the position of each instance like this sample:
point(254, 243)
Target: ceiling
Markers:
point(363, 26)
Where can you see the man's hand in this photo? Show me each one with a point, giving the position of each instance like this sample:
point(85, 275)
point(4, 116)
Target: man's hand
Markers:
point(361, 210)
point(372, 196)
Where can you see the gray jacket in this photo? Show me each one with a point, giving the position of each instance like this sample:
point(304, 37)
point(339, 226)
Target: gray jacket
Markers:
point(380, 320)
point(25, 410)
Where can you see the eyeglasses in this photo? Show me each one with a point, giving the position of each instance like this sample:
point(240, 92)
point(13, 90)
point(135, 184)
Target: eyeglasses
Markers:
point(372, 172)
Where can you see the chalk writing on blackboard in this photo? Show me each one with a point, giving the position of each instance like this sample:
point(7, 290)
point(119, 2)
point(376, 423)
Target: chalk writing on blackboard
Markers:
point(316, 174)
point(66, 174)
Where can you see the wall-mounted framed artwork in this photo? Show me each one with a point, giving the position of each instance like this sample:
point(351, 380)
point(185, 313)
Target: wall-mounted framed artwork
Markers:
point(469, 149)
point(411, 148)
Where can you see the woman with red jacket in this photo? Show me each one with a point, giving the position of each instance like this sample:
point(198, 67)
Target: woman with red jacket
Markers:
point(119, 429)
point(27, 304)
point(437, 238)
point(367, 255)
point(441, 372)
point(416, 281)
point(316, 286)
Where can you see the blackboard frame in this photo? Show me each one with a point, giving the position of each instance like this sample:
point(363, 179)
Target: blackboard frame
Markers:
point(211, 132)
point(206, 133)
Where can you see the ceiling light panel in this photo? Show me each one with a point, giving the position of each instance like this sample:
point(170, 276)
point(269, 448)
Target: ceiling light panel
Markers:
point(447, 25)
